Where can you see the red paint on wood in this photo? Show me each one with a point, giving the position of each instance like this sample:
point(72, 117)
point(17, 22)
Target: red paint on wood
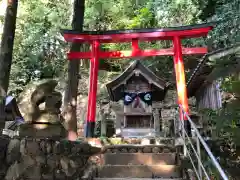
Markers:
point(135, 48)
point(180, 75)
point(147, 36)
point(136, 53)
point(92, 93)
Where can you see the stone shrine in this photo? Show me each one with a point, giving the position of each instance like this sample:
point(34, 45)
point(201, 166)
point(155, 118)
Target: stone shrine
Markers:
point(139, 88)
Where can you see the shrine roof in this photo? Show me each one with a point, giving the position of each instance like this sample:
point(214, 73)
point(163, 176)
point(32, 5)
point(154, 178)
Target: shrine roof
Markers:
point(203, 73)
point(116, 87)
point(189, 31)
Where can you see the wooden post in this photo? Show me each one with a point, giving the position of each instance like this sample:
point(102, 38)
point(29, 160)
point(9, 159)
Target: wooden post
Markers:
point(181, 82)
point(92, 93)
point(71, 91)
point(180, 75)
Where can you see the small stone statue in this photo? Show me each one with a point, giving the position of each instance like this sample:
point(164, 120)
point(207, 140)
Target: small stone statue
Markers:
point(42, 111)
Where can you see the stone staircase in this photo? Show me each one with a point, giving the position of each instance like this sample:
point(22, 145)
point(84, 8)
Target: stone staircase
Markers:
point(139, 165)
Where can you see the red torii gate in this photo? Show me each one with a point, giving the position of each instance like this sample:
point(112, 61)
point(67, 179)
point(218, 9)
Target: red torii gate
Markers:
point(95, 38)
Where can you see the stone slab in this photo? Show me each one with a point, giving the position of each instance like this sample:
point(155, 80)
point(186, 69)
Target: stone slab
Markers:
point(139, 171)
point(44, 131)
point(139, 159)
point(137, 179)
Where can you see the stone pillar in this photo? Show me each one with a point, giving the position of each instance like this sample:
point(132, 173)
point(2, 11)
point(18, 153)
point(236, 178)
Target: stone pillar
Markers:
point(168, 116)
point(156, 121)
point(103, 125)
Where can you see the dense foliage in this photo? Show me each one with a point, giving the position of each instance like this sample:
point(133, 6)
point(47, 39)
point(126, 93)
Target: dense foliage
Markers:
point(40, 50)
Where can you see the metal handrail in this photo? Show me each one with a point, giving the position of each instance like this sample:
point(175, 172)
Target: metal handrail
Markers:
point(197, 154)
point(199, 140)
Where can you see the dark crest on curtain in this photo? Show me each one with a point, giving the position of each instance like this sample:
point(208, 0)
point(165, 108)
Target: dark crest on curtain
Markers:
point(144, 96)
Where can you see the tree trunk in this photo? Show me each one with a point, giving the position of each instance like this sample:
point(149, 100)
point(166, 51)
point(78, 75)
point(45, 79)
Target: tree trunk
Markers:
point(70, 98)
point(6, 51)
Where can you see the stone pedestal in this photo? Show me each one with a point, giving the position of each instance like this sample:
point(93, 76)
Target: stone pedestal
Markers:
point(41, 130)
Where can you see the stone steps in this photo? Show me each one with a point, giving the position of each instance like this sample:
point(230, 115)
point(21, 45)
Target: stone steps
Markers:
point(139, 159)
point(139, 171)
point(137, 179)
point(134, 148)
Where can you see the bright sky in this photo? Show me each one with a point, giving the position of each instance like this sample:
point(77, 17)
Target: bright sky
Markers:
point(3, 5)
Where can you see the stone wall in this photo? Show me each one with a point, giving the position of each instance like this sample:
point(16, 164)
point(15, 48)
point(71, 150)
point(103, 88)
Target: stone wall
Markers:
point(46, 159)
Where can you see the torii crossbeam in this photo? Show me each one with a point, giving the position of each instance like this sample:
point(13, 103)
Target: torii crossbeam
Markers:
point(95, 38)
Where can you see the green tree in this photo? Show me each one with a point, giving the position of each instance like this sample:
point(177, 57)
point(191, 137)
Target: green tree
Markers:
point(71, 92)
point(6, 51)
point(40, 50)
point(225, 12)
